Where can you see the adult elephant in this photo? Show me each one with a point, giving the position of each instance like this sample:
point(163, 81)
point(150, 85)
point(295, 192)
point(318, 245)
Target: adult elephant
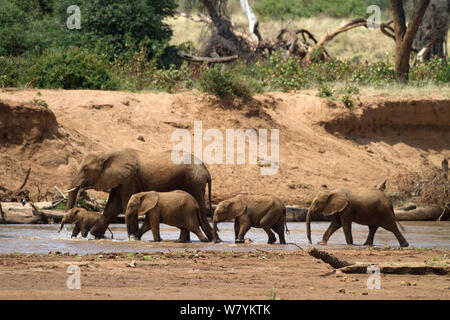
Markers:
point(126, 172)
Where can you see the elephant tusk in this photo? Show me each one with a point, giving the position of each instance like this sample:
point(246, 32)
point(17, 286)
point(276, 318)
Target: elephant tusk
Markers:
point(70, 190)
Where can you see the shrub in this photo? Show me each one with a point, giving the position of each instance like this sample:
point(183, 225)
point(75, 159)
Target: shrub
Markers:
point(114, 27)
point(223, 84)
point(325, 92)
point(71, 69)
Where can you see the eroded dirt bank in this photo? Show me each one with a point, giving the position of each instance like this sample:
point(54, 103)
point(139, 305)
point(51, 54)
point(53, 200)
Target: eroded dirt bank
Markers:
point(193, 274)
point(322, 143)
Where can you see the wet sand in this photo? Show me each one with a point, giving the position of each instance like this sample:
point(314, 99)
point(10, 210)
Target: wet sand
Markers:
point(34, 262)
point(234, 275)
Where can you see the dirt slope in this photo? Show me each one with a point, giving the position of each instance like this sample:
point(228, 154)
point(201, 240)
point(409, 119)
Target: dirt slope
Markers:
point(321, 141)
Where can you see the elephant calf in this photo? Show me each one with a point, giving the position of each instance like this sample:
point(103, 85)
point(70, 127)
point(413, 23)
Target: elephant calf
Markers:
point(265, 212)
point(84, 220)
point(176, 208)
point(368, 207)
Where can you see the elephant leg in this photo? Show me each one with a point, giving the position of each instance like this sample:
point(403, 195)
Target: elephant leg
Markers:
point(347, 226)
point(244, 227)
point(369, 241)
point(184, 236)
point(144, 228)
point(279, 229)
point(394, 229)
point(75, 231)
point(84, 231)
point(200, 235)
point(272, 239)
point(236, 228)
point(155, 231)
point(200, 197)
point(335, 225)
point(112, 209)
point(267, 221)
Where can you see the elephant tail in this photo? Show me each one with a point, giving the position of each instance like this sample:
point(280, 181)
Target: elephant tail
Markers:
point(396, 220)
point(308, 226)
point(209, 194)
point(285, 221)
point(200, 220)
point(401, 227)
point(112, 234)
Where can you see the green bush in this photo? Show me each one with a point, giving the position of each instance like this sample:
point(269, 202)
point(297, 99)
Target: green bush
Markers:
point(114, 27)
point(223, 84)
point(12, 38)
point(71, 69)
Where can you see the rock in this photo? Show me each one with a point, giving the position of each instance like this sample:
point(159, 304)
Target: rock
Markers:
point(341, 290)
point(364, 293)
point(132, 264)
point(141, 138)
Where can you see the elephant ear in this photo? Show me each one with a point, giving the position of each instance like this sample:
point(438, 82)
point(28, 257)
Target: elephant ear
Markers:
point(118, 168)
point(337, 202)
point(148, 202)
point(237, 207)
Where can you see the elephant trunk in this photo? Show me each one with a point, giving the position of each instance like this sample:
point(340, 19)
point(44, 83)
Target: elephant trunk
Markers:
point(308, 225)
point(72, 198)
point(62, 225)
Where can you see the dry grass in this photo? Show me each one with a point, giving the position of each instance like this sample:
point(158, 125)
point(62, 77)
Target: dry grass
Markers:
point(428, 186)
point(406, 91)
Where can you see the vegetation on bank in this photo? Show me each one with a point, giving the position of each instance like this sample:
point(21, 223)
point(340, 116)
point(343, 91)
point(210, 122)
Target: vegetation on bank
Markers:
point(37, 50)
point(289, 9)
point(76, 68)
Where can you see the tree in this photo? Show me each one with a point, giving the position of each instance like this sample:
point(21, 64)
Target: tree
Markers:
point(432, 34)
point(404, 35)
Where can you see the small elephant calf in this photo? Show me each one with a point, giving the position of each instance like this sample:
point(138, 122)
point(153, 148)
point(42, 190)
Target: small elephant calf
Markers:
point(176, 208)
point(84, 220)
point(267, 212)
point(368, 207)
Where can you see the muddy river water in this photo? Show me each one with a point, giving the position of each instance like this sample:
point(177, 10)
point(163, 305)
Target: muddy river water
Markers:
point(44, 238)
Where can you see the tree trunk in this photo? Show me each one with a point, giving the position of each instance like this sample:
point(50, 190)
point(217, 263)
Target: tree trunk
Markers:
point(404, 36)
point(224, 30)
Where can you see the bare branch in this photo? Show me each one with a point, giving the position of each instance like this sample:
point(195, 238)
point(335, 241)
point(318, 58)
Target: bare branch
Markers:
point(188, 57)
point(26, 179)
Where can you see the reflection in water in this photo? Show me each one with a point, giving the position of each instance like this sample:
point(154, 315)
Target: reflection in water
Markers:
point(45, 238)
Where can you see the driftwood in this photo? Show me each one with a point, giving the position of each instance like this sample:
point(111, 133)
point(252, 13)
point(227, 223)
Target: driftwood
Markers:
point(17, 195)
point(2, 213)
point(398, 268)
point(431, 213)
point(387, 268)
point(328, 258)
point(407, 208)
point(191, 58)
point(29, 215)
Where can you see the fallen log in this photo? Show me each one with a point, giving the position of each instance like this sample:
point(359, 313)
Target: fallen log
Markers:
point(191, 58)
point(431, 213)
point(398, 268)
point(2, 213)
point(406, 208)
point(31, 215)
point(328, 258)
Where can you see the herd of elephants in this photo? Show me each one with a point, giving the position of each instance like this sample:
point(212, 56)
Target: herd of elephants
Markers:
point(161, 191)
